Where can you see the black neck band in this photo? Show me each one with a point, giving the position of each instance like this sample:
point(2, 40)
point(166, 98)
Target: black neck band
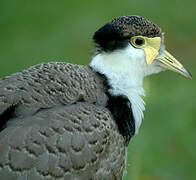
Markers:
point(120, 108)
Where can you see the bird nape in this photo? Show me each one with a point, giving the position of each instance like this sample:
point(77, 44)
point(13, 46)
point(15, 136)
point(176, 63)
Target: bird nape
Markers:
point(66, 121)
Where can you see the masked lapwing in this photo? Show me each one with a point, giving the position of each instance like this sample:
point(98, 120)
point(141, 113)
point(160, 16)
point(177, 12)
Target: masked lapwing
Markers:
point(66, 121)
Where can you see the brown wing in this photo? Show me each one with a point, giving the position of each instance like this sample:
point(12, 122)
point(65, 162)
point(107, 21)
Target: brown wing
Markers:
point(53, 124)
point(49, 84)
point(78, 141)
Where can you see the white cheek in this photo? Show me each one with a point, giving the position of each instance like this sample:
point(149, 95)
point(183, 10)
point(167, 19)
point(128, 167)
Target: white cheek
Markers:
point(153, 68)
point(137, 63)
point(134, 61)
point(129, 60)
point(137, 56)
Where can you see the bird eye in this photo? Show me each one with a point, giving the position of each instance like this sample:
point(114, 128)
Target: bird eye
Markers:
point(138, 41)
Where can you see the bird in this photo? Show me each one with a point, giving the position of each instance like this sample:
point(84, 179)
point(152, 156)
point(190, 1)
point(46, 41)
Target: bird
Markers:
point(65, 121)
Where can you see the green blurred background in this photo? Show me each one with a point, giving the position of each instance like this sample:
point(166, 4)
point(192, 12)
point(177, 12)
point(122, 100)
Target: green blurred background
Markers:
point(44, 30)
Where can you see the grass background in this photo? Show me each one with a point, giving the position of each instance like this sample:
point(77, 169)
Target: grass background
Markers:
point(40, 31)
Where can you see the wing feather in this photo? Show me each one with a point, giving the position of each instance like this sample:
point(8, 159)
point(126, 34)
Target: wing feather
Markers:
point(77, 141)
point(54, 125)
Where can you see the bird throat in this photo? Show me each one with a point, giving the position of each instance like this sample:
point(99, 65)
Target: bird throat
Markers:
point(126, 108)
point(125, 93)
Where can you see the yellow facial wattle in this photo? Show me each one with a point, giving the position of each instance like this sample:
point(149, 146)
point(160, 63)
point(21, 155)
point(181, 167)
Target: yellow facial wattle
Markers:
point(152, 49)
point(150, 46)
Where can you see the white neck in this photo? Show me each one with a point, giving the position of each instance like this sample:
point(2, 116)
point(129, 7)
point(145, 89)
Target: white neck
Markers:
point(125, 70)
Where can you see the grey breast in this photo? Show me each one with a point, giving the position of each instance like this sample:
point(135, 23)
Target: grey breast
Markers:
point(55, 125)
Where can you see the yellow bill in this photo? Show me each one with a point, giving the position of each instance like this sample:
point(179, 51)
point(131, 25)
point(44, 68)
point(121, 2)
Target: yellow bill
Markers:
point(151, 49)
point(169, 62)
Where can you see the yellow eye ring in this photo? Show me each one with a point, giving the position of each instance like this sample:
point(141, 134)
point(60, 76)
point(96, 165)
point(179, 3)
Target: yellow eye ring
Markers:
point(138, 41)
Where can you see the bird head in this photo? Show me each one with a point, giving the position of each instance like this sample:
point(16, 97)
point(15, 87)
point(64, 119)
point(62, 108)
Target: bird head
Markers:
point(127, 49)
point(136, 44)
